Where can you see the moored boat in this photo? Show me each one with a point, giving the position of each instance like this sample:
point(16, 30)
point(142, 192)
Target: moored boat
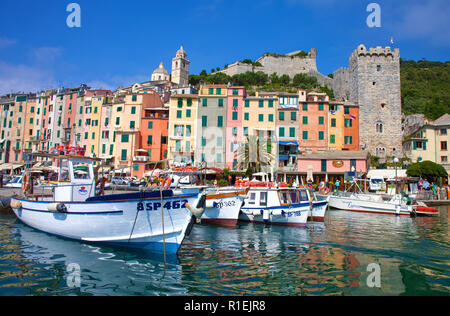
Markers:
point(276, 206)
point(157, 220)
point(373, 203)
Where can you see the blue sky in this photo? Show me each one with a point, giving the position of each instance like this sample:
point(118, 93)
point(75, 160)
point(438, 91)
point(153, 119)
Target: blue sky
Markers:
point(122, 42)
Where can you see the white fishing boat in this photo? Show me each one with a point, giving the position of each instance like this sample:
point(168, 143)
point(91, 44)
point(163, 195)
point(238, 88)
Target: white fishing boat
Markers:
point(272, 204)
point(157, 220)
point(222, 205)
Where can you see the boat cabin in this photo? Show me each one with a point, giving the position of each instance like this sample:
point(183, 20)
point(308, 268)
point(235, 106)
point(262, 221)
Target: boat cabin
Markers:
point(264, 197)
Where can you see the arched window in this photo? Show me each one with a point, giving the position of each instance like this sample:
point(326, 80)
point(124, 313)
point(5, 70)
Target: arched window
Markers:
point(379, 128)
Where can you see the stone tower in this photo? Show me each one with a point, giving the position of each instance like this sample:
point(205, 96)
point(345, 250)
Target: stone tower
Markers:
point(180, 68)
point(374, 84)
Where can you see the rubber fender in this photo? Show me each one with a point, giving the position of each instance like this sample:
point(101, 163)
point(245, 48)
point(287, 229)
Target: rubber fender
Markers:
point(16, 204)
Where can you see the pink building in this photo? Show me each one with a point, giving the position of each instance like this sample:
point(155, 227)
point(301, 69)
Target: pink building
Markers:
point(234, 130)
point(328, 166)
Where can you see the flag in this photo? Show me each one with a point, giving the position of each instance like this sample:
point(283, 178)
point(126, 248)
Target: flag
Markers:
point(392, 40)
point(353, 117)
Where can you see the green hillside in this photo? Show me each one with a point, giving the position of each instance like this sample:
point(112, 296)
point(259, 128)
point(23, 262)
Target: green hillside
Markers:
point(425, 87)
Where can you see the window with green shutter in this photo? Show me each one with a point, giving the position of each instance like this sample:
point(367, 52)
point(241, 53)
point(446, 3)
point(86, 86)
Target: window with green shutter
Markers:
point(247, 103)
point(204, 121)
point(132, 124)
point(235, 103)
point(211, 91)
point(134, 98)
point(346, 110)
point(333, 122)
point(270, 117)
point(150, 124)
point(305, 120)
point(220, 121)
point(332, 139)
point(133, 110)
point(261, 103)
point(221, 102)
point(305, 135)
point(323, 165)
point(179, 114)
point(270, 103)
point(188, 113)
point(205, 102)
point(320, 106)
point(281, 116)
point(321, 135)
point(150, 140)
point(235, 115)
point(246, 116)
point(305, 107)
point(293, 116)
point(292, 132)
point(281, 131)
point(125, 138)
point(123, 155)
point(219, 141)
point(261, 117)
point(189, 102)
point(218, 91)
point(180, 102)
point(321, 120)
point(235, 92)
point(245, 131)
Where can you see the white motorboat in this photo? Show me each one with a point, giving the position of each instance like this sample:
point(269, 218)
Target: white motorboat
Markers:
point(222, 205)
point(373, 203)
point(157, 220)
point(276, 206)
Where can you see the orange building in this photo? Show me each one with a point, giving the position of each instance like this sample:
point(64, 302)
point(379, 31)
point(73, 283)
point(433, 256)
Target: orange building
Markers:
point(351, 127)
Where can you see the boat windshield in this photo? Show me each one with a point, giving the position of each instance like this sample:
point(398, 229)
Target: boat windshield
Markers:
point(16, 180)
point(304, 195)
point(289, 197)
point(81, 171)
point(64, 174)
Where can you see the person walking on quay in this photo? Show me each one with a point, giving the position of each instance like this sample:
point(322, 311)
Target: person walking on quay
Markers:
point(337, 183)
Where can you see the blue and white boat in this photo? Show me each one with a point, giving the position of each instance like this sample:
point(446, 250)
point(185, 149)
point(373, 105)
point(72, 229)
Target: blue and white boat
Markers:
point(319, 204)
point(155, 220)
point(276, 206)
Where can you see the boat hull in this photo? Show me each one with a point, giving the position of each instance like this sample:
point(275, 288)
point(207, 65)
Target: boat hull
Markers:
point(318, 212)
point(224, 210)
point(129, 223)
point(288, 215)
point(361, 206)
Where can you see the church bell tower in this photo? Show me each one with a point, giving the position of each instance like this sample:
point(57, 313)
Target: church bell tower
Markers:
point(180, 68)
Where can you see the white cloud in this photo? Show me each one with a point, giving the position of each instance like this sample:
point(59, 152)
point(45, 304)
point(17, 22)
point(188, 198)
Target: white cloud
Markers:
point(23, 78)
point(5, 42)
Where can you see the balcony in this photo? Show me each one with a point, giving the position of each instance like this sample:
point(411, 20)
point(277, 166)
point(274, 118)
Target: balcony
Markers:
point(141, 159)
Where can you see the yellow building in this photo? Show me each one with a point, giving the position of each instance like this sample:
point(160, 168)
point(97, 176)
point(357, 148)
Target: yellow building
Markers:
point(183, 111)
point(336, 126)
point(95, 111)
point(259, 119)
point(430, 142)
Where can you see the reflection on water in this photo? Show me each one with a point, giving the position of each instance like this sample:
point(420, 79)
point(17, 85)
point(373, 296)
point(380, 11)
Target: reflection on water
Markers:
point(330, 258)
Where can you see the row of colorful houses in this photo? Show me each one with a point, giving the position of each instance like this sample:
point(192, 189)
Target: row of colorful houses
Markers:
point(132, 128)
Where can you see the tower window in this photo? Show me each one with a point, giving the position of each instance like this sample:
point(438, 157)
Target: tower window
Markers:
point(378, 67)
point(379, 128)
point(374, 83)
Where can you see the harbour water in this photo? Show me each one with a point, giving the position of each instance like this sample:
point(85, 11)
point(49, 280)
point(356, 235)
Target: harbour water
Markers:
point(348, 254)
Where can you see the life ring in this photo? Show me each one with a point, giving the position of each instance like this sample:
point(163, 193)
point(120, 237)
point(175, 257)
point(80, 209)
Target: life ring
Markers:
point(26, 184)
point(167, 182)
point(324, 191)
